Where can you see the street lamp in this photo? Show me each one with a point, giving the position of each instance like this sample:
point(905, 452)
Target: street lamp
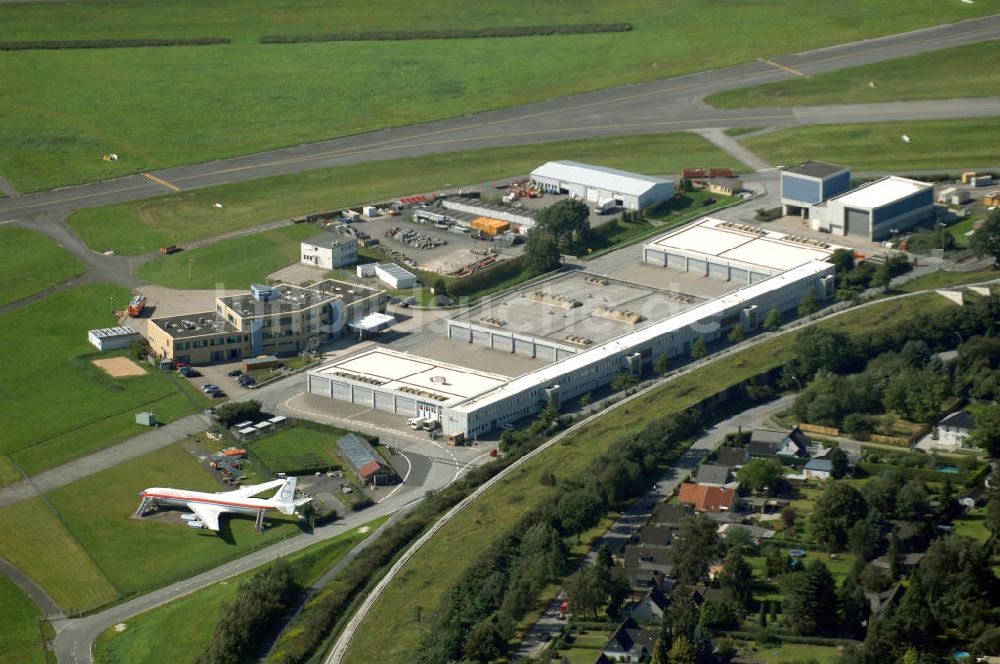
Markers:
point(797, 383)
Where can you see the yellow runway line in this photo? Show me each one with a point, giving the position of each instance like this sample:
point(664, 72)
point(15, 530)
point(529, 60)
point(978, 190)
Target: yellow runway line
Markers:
point(782, 67)
point(161, 181)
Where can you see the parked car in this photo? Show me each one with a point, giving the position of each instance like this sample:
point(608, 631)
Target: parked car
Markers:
point(247, 382)
point(235, 372)
point(208, 387)
point(189, 372)
point(182, 364)
point(216, 393)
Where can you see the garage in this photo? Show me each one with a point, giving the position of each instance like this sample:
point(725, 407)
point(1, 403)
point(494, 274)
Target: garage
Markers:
point(545, 352)
point(383, 401)
point(503, 343)
point(718, 271)
point(481, 337)
point(698, 267)
point(593, 195)
point(363, 396)
point(757, 276)
point(459, 333)
point(562, 354)
point(676, 262)
point(857, 223)
point(522, 347)
point(739, 275)
point(406, 406)
point(655, 257)
point(340, 390)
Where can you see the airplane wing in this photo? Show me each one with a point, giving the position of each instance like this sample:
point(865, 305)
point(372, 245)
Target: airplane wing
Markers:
point(253, 489)
point(208, 514)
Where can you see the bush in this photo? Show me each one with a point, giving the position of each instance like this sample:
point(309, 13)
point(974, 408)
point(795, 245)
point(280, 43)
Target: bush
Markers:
point(109, 43)
point(232, 412)
point(362, 504)
point(457, 33)
point(484, 279)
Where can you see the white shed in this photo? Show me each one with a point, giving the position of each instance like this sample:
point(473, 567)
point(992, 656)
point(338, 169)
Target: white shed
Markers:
point(112, 338)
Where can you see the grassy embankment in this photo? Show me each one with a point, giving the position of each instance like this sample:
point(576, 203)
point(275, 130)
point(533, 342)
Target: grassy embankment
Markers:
point(65, 407)
point(82, 545)
point(167, 634)
point(937, 145)
point(21, 628)
point(392, 626)
point(894, 80)
point(141, 226)
point(31, 262)
point(157, 107)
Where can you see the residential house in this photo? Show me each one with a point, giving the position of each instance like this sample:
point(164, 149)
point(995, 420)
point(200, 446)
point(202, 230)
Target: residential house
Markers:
point(755, 532)
point(644, 580)
point(953, 431)
point(657, 558)
point(655, 535)
point(707, 498)
point(734, 457)
point(704, 594)
point(768, 443)
point(651, 607)
point(817, 469)
point(711, 474)
point(764, 504)
point(909, 561)
point(630, 643)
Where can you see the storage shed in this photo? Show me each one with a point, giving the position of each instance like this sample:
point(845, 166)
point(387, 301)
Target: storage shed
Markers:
point(112, 338)
point(394, 276)
point(265, 362)
point(364, 461)
point(597, 183)
point(145, 419)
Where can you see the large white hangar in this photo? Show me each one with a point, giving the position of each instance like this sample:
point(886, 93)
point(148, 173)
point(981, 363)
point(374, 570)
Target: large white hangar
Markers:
point(731, 251)
point(876, 210)
point(598, 184)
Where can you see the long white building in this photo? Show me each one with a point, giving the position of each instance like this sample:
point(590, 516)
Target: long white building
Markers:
point(597, 184)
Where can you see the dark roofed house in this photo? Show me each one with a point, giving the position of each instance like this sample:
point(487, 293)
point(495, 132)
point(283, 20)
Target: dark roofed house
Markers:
point(768, 443)
point(643, 580)
point(655, 534)
point(651, 607)
point(669, 515)
point(734, 457)
point(817, 469)
point(711, 474)
point(629, 643)
point(658, 558)
point(953, 431)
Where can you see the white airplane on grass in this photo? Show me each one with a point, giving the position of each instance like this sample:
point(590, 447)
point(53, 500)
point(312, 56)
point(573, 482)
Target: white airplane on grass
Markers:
point(209, 506)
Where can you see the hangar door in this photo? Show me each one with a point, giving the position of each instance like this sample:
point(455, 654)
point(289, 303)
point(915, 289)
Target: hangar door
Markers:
point(503, 343)
point(319, 385)
point(363, 396)
point(698, 267)
point(545, 352)
point(654, 256)
point(341, 391)
point(522, 347)
point(383, 401)
point(480, 337)
point(406, 406)
point(738, 275)
point(718, 271)
point(676, 262)
point(858, 223)
point(459, 333)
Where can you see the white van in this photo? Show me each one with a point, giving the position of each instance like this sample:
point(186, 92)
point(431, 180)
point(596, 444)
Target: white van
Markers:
point(415, 422)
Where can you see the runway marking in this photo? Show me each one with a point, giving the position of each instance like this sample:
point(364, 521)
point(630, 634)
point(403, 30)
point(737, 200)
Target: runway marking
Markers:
point(161, 181)
point(781, 66)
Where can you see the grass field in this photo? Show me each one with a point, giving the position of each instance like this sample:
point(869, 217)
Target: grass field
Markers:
point(31, 262)
point(298, 448)
point(20, 630)
point(236, 263)
point(65, 405)
point(925, 76)
point(168, 634)
point(936, 145)
point(791, 653)
point(141, 226)
point(156, 107)
point(432, 570)
point(944, 279)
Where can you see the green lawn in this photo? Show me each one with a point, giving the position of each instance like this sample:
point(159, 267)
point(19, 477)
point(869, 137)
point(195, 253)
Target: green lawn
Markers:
point(142, 554)
point(586, 648)
point(790, 653)
point(391, 626)
point(157, 107)
point(973, 525)
point(31, 262)
point(944, 279)
point(236, 263)
point(20, 629)
point(894, 80)
point(141, 226)
point(298, 448)
point(65, 405)
point(168, 634)
point(936, 145)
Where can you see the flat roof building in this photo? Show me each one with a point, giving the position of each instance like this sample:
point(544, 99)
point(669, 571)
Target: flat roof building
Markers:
point(279, 320)
point(809, 183)
point(876, 210)
point(112, 338)
point(329, 251)
point(394, 276)
point(597, 184)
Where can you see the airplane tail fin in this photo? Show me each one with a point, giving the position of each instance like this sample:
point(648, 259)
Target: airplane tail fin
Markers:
point(285, 498)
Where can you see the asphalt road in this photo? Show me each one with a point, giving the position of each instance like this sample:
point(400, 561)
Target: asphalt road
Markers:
point(666, 105)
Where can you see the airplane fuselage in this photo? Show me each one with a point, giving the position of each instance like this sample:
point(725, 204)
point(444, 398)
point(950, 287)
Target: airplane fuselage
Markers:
point(182, 498)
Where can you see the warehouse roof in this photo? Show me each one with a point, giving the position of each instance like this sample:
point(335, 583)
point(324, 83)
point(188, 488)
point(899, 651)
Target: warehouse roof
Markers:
point(285, 298)
point(357, 452)
point(881, 192)
point(394, 270)
point(329, 240)
point(599, 176)
point(815, 169)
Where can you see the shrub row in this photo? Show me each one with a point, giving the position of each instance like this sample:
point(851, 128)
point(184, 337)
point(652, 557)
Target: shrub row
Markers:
point(925, 474)
point(485, 278)
point(786, 638)
point(457, 33)
point(108, 43)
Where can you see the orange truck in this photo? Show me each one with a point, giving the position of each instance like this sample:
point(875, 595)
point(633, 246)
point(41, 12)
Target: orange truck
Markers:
point(136, 306)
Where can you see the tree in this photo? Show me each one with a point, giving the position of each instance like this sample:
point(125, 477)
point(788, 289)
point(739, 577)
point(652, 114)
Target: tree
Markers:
point(578, 510)
point(882, 276)
point(838, 463)
point(880, 493)
point(736, 579)
point(486, 641)
point(895, 556)
point(586, 592)
point(993, 512)
point(822, 348)
point(664, 640)
point(719, 614)
point(541, 253)
point(854, 607)
point(762, 615)
point(623, 382)
point(776, 563)
point(912, 502)
point(565, 219)
point(618, 590)
point(986, 435)
point(810, 606)
point(586, 399)
point(843, 259)
point(839, 508)
point(662, 364)
point(683, 614)
point(697, 542)
point(986, 240)
point(699, 348)
point(760, 474)
point(809, 303)
point(604, 556)
point(683, 651)
point(440, 286)
point(737, 334)
point(237, 411)
point(864, 538)
point(773, 319)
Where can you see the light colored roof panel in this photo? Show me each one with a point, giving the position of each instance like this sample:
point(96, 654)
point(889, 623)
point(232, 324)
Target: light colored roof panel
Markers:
point(599, 176)
point(881, 192)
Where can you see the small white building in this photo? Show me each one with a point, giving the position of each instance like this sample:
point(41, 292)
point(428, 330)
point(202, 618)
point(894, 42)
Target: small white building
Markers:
point(329, 251)
point(953, 431)
point(597, 184)
point(394, 276)
point(112, 338)
point(818, 469)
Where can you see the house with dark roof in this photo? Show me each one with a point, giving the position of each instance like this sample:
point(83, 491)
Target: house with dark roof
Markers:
point(953, 431)
point(734, 457)
point(817, 469)
point(651, 607)
point(643, 580)
point(630, 643)
point(768, 443)
point(669, 515)
point(707, 498)
point(712, 474)
point(642, 556)
point(655, 535)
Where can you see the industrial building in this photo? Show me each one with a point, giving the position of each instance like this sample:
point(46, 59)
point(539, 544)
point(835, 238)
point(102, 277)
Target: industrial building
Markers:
point(732, 251)
point(329, 251)
point(810, 183)
point(112, 338)
point(279, 320)
point(389, 274)
point(521, 220)
point(597, 184)
point(876, 210)
point(370, 468)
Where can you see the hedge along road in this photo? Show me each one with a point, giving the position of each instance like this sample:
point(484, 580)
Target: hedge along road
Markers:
point(342, 643)
point(655, 107)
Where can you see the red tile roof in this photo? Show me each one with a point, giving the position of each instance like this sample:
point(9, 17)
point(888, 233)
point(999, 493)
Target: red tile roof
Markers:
point(707, 498)
point(369, 469)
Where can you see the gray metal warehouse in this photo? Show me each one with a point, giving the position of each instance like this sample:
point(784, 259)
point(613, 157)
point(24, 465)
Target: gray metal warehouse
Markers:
point(597, 184)
point(809, 183)
point(876, 210)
